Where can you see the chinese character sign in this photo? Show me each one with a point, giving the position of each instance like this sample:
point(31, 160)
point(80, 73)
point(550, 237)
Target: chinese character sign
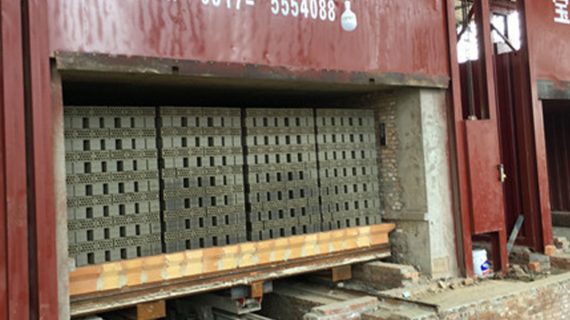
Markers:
point(561, 11)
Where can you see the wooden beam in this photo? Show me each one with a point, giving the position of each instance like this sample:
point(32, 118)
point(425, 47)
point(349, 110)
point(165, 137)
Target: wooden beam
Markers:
point(151, 310)
point(342, 273)
point(257, 289)
point(118, 299)
point(198, 263)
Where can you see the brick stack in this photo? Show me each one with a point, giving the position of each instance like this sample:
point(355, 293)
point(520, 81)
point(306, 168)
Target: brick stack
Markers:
point(283, 198)
point(203, 177)
point(112, 183)
point(348, 168)
point(142, 181)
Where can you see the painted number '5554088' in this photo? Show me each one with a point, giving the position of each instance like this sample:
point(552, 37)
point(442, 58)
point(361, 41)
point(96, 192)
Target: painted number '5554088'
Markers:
point(314, 9)
point(324, 10)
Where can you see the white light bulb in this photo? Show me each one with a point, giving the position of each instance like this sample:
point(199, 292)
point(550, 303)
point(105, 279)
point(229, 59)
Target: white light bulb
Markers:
point(349, 21)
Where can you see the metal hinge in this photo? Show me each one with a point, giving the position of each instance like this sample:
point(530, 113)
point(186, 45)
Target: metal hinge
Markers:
point(502, 174)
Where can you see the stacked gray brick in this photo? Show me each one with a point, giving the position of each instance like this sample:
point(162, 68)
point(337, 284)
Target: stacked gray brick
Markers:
point(202, 177)
point(283, 177)
point(348, 168)
point(112, 183)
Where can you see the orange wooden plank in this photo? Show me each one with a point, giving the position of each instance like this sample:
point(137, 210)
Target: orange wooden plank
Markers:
point(157, 269)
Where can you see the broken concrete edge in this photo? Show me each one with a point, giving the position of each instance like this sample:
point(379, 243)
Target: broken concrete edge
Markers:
point(350, 309)
point(376, 307)
point(407, 294)
point(525, 300)
point(332, 304)
point(400, 312)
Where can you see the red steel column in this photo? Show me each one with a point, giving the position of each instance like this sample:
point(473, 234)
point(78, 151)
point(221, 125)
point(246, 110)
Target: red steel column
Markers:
point(538, 188)
point(463, 219)
point(40, 160)
point(543, 237)
point(483, 23)
point(14, 292)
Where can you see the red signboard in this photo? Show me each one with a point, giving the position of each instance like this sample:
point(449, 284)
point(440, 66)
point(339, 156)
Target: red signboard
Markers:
point(391, 36)
point(549, 38)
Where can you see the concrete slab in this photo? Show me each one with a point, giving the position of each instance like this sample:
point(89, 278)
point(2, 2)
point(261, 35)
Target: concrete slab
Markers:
point(491, 290)
point(291, 300)
point(349, 309)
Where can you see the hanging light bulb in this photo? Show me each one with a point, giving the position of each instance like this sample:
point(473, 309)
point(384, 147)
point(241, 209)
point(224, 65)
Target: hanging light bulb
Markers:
point(348, 19)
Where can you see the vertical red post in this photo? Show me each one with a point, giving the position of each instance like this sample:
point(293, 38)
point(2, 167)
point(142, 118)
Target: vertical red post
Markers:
point(543, 219)
point(463, 222)
point(483, 22)
point(544, 236)
point(14, 288)
point(40, 159)
point(539, 193)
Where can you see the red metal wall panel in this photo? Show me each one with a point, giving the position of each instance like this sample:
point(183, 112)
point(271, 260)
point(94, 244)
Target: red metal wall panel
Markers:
point(549, 41)
point(511, 148)
point(518, 148)
point(396, 36)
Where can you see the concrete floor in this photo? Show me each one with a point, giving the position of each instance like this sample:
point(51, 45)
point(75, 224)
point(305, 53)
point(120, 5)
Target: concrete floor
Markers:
point(545, 298)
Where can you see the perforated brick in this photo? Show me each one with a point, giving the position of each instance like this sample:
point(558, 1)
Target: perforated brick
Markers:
point(203, 177)
point(348, 168)
point(112, 183)
point(115, 187)
point(283, 198)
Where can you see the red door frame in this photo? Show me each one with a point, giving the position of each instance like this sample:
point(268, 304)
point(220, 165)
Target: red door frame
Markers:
point(465, 227)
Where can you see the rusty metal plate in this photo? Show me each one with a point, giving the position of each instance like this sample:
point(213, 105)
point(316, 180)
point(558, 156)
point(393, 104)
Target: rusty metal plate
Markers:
point(297, 34)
